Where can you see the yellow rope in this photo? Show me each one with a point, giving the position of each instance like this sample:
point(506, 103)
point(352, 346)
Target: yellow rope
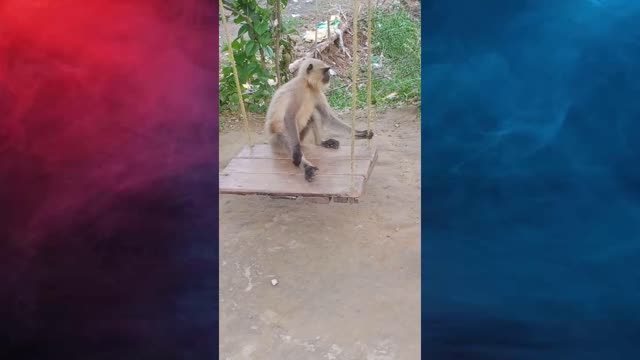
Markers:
point(235, 74)
point(354, 87)
point(369, 82)
point(315, 36)
point(277, 45)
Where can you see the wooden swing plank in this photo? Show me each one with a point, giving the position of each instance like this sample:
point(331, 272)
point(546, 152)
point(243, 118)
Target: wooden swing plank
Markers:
point(291, 185)
point(264, 151)
point(285, 167)
point(261, 171)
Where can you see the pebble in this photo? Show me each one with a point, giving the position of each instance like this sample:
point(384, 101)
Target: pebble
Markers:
point(274, 282)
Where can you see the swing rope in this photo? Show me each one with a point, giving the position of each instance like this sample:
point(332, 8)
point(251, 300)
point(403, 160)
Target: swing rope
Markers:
point(354, 88)
point(369, 69)
point(276, 55)
point(235, 75)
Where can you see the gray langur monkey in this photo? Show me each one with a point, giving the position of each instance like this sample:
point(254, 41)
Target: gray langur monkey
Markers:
point(300, 106)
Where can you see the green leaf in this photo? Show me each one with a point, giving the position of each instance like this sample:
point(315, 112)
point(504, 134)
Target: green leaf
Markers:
point(237, 45)
point(251, 48)
point(241, 58)
point(269, 52)
point(243, 29)
point(265, 13)
point(253, 68)
point(262, 73)
point(265, 39)
point(262, 27)
point(245, 73)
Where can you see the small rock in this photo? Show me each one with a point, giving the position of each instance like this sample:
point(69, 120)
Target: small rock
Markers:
point(396, 125)
point(274, 282)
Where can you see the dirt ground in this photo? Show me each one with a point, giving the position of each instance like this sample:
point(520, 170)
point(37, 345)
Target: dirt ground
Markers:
point(348, 275)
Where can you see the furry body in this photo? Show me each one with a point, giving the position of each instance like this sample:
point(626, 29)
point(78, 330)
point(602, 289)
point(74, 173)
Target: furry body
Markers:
point(300, 106)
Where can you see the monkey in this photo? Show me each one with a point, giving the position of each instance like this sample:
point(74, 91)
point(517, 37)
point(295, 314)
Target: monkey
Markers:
point(299, 107)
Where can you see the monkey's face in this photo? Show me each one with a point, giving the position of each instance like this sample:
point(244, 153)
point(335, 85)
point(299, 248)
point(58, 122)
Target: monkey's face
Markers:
point(326, 75)
point(318, 72)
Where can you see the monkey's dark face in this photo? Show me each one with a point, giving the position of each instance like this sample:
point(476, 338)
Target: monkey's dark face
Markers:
point(326, 75)
point(319, 72)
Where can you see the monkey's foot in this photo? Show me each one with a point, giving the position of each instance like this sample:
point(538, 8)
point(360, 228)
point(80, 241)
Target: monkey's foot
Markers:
point(331, 144)
point(364, 134)
point(310, 172)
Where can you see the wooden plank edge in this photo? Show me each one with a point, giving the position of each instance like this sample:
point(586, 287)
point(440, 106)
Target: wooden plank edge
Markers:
point(366, 155)
point(313, 157)
point(309, 199)
point(285, 195)
point(364, 170)
point(293, 196)
point(305, 199)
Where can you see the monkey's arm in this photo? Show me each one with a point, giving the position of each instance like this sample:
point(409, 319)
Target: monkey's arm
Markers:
point(332, 120)
point(293, 137)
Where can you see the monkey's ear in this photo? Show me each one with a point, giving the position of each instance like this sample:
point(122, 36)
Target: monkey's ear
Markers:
point(309, 68)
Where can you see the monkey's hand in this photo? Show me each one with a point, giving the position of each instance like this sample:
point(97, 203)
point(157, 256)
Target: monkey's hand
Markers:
point(364, 134)
point(310, 172)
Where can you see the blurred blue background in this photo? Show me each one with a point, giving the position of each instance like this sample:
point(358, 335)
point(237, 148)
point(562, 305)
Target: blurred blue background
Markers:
point(531, 179)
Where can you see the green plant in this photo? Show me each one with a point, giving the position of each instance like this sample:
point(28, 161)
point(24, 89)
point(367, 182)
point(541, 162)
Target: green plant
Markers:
point(396, 38)
point(254, 52)
point(293, 22)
